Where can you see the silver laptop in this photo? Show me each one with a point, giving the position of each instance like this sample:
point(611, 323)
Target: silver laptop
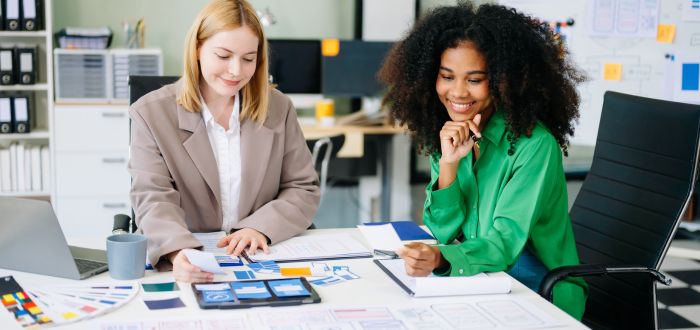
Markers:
point(31, 240)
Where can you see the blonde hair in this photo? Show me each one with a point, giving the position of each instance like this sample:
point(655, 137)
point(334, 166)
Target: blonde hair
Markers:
point(217, 16)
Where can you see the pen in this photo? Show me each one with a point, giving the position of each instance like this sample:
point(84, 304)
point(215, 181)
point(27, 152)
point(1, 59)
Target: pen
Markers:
point(386, 253)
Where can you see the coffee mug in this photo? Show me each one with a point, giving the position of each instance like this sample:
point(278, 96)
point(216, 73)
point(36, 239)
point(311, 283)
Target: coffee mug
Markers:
point(126, 256)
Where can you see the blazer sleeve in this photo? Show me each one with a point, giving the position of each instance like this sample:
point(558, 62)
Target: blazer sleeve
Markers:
point(294, 207)
point(154, 198)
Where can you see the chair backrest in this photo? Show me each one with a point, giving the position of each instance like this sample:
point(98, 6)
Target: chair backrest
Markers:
point(142, 85)
point(629, 207)
point(322, 150)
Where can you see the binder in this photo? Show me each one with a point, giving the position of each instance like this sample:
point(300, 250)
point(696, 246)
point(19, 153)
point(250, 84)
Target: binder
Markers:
point(31, 11)
point(2, 15)
point(5, 114)
point(7, 71)
point(13, 166)
point(5, 170)
point(25, 64)
point(12, 20)
point(20, 120)
point(45, 168)
point(19, 168)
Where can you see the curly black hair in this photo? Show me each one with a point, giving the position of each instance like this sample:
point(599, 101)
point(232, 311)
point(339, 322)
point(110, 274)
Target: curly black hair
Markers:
point(530, 75)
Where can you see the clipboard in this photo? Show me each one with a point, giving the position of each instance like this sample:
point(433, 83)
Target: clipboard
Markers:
point(434, 286)
point(255, 293)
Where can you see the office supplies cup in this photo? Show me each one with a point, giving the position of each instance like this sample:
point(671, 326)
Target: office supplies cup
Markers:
point(126, 256)
point(324, 112)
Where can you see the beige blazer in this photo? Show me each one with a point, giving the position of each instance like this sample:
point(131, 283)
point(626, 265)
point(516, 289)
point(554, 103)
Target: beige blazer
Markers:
point(175, 182)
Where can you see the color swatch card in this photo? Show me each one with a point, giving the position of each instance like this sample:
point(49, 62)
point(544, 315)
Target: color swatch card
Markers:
point(18, 302)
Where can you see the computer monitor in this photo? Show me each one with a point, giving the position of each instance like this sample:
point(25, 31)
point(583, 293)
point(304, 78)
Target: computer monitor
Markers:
point(353, 71)
point(295, 65)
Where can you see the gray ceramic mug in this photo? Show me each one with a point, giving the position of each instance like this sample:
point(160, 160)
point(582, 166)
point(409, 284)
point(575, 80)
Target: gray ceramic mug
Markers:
point(126, 256)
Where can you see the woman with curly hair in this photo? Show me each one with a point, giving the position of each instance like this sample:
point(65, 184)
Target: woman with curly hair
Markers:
point(490, 95)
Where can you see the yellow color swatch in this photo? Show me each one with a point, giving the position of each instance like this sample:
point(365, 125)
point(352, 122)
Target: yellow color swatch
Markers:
point(21, 295)
point(666, 33)
point(612, 71)
point(295, 271)
point(8, 298)
point(69, 315)
point(330, 47)
point(35, 310)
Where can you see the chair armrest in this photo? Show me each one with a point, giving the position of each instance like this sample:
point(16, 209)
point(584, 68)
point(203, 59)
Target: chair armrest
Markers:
point(560, 273)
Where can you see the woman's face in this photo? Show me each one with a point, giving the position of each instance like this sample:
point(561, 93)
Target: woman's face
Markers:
point(227, 60)
point(462, 83)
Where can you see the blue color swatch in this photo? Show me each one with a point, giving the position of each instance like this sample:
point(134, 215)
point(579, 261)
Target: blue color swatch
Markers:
point(244, 274)
point(690, 77)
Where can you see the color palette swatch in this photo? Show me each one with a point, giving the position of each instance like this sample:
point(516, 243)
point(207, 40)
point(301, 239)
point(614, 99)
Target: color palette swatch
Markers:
point(16, 300)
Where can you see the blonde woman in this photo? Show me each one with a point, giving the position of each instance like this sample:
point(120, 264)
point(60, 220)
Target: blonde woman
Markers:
point(219, 149)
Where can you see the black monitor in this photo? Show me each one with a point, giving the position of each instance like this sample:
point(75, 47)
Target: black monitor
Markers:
point(353, 71)
point(295, 65)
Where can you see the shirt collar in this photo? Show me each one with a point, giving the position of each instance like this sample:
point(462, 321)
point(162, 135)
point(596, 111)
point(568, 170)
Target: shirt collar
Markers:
point(496, 127)
point(209, 118)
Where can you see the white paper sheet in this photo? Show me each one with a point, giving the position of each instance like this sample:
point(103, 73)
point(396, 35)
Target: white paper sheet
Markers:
point(381, 237)
point(204, 260)
point(314, 247)
point(209, 241)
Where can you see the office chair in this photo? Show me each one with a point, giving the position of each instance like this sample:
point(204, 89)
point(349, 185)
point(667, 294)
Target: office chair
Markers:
point(629, 207)
point(328, 147)
point(138, 87)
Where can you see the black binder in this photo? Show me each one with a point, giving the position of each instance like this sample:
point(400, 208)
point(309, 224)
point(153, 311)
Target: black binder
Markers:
point(25, 65)
point(2, 15)
point(20, 114)
point(5, 114)
point(12, 15)
point(31, 14)
point(7, 65)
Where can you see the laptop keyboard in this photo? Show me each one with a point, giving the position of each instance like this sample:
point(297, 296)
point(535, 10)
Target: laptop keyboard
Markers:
point(85, 266)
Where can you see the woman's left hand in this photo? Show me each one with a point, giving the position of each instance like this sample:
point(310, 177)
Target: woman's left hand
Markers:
point(243, 238)
point(421, 259)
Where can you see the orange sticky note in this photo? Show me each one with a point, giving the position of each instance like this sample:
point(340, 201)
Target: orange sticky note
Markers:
point(330, 47)
point(295, 271)
point(666, 33)
point(612, 71)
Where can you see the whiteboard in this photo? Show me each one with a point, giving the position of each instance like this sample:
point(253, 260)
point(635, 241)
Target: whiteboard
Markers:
point(646, 70)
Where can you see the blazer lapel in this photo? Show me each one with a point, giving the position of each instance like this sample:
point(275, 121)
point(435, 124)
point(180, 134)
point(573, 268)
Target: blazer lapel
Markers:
point(199, 149)
point(256, 146)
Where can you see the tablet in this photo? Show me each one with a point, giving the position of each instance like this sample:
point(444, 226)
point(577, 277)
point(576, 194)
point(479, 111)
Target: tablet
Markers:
point(254, 293)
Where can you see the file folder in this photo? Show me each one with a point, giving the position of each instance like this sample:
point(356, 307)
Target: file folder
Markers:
point(5, 115)
point(7, 76)
point(26, 65)
point(12, 20)
point(30, 15)
point(2, 15)
point(21, 114)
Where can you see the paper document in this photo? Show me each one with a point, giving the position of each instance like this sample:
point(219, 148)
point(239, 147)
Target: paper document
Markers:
point(209, 241)
point(435, 286)
point(381, 237)
point(314, 247)
point(204, 260)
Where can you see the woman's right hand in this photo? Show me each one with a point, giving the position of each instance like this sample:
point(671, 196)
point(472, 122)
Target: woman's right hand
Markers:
point(456, 141)
point(184, 271)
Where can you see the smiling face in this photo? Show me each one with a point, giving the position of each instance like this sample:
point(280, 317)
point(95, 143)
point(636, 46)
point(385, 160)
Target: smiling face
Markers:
point(228, 60)
point(462, 83)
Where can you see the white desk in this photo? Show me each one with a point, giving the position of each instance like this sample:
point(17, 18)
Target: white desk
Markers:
point(374, 288)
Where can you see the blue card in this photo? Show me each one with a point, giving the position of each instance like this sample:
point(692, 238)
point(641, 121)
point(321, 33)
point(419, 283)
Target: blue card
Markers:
point(229, 261)
point(250, 290)
point(244, 274)
point(289, 288)
point(327, 280)
point(217, 296)
point(164, 304)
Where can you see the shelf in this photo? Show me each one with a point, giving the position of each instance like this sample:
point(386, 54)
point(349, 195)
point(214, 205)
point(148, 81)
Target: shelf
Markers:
point(26, 194)
point(33, 34)
point(36, 135)
point(35, 87)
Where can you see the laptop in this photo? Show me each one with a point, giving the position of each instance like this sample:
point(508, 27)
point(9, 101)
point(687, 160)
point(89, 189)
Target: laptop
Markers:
point(31, 240)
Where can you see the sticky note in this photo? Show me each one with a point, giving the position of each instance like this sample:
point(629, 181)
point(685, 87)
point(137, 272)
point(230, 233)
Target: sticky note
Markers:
point(612, 71)
point(69, 315)
point(330, 47)
point(666, 33)
point(295, 271)
point(690, 79)
point(244, 274)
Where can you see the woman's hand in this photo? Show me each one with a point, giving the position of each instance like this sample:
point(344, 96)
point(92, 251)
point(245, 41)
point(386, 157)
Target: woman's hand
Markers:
point(456, 140)
point(421, 259)
point(243, 238)
point(184, 271)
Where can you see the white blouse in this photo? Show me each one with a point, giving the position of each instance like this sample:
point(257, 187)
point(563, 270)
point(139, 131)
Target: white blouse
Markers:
point(226, 145)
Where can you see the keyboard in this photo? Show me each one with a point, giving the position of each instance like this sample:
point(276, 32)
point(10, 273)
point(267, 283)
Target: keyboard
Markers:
point(85, 266)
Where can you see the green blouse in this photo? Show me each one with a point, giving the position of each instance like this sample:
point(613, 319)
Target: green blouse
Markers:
point(502, 204)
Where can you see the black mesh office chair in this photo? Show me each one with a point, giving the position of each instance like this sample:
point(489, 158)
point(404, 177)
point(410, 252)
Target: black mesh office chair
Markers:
point(138, 87)
point(324, 149)
point(629, 207)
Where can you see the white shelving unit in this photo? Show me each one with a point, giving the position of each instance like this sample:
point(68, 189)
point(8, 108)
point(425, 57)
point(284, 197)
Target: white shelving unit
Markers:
point(42, 93)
